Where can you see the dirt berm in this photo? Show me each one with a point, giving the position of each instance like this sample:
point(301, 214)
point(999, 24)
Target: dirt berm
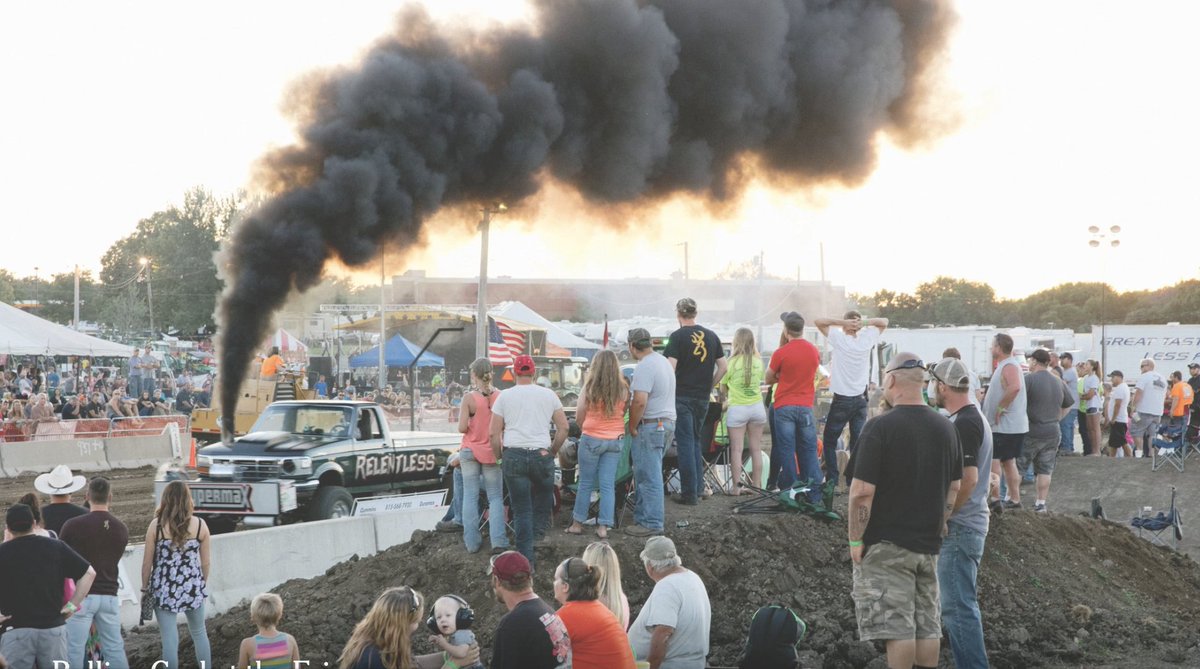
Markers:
point(1056, 590)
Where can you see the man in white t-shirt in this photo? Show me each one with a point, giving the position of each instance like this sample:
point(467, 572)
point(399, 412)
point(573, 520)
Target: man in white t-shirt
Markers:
point(1116, 415)
point(852, 340)
point(520, 436)
point(1146, 409)
point(671, 631)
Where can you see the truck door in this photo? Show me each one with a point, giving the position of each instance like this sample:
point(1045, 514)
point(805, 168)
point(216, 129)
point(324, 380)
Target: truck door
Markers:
point(372, 454)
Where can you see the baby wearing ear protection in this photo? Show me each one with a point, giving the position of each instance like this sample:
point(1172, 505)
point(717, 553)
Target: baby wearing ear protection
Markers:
point(450, 623)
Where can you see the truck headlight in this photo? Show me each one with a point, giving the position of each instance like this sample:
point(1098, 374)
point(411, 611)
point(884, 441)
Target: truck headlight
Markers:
point(203, 464)
point(297, 466)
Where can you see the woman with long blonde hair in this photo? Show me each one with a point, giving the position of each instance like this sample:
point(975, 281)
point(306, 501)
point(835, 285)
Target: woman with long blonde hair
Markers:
point(478, 462)
point(600, 554)
point(600, 414)
point(746, 416)
point(175, 568)
point(383, 638)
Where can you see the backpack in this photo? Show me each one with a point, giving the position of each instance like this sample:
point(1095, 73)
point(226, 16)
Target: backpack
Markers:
point(774, 632)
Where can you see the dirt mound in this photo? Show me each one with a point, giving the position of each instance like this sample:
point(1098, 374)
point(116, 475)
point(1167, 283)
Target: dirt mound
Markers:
point(1056, 590)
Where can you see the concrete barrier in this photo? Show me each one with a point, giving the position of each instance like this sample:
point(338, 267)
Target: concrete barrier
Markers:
point(247, 563)
point(41, 456)
point(132, 452)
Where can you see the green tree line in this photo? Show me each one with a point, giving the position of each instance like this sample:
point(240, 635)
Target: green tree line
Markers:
point(950, 301)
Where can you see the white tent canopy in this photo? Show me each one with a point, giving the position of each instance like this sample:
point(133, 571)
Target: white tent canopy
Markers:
point(25, 334)
point(555, 334)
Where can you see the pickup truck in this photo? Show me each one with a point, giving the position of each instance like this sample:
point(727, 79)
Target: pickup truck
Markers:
point(309, 460)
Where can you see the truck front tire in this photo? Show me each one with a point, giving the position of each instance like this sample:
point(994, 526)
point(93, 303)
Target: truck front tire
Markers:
point(331, 501)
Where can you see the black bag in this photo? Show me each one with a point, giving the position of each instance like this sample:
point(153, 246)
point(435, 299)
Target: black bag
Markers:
point(148, 602)
point(774, 633)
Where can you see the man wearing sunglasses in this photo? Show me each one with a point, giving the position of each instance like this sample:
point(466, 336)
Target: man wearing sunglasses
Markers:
point(1006, 408)
point(906, 474)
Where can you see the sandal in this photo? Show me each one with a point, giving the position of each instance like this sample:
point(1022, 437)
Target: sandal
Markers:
point(574, 532)
point(602, 532)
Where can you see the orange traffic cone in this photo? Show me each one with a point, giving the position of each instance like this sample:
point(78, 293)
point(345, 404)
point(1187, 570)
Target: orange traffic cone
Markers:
point(192, 456)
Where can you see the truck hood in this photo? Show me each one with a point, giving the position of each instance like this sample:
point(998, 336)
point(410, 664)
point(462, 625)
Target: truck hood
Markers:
point(276, 442)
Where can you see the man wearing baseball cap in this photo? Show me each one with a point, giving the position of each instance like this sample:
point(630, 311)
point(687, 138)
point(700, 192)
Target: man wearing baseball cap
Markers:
point(1046, 400)
point(651, 426)
point(672, 629)
point(32, 571)
point(520, 436)
point(530, 635)
point(699, 362)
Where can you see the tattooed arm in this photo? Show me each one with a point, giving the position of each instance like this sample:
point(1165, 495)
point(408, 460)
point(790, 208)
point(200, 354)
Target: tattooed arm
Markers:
point(951, 503)
point(862, 496)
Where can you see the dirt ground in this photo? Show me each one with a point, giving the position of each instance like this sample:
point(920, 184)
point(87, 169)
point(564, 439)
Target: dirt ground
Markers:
point(1057, 590)
point(133, 496)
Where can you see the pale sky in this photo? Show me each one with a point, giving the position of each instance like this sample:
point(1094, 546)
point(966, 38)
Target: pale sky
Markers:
point(1075, 114)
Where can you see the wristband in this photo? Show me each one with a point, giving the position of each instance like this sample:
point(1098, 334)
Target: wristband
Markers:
point(71, 607)
point(855, 544)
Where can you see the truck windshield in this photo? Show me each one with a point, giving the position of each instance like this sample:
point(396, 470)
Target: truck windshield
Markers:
point(299, 419)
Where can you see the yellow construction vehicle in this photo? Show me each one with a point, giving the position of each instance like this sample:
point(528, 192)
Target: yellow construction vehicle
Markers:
point(255, 395)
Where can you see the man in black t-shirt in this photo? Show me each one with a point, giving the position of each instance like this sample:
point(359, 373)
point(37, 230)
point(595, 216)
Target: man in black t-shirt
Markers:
point(71, 409)
point(32, 571)
point(530, 635)
point(699, 361)
point(906, 473)
point(100, 538)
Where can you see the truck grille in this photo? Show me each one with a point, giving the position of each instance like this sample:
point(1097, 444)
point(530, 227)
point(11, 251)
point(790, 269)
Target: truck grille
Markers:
point(252, 470)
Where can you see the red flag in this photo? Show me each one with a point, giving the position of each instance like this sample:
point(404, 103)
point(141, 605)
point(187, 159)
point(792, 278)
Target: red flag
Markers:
point(604, 344)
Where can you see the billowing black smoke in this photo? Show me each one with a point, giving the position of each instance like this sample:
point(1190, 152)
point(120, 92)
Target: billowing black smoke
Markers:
point(622, 100)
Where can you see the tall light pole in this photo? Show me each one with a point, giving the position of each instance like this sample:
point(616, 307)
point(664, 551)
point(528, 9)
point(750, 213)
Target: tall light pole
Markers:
point(382, 326)
point(685, 262)
point(146, 266)
point(481, 317)
point(36, 286)
point(1106, 239)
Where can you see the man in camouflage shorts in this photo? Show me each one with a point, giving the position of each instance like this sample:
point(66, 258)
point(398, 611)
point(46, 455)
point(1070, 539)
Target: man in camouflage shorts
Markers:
point(906, 473)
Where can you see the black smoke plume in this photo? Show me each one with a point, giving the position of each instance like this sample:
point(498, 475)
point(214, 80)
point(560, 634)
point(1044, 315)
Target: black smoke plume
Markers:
point(624, 101)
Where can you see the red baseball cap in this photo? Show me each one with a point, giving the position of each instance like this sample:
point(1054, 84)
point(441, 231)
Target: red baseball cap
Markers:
point(523, 365)
point(509, 565)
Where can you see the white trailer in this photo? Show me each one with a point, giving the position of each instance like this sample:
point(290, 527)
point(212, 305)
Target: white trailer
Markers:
point(1171, 347)
point(974, 342)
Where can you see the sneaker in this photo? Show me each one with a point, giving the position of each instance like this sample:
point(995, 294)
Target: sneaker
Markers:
point(1009, 504)
point(448, 526)
point(1039, 508)
point(636, 530)
point(996, 506)
point(686, 500)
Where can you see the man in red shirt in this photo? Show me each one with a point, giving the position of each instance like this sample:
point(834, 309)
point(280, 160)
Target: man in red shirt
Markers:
point(794, 367)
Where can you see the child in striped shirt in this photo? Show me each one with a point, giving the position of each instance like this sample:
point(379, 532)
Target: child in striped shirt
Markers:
point(270, 648)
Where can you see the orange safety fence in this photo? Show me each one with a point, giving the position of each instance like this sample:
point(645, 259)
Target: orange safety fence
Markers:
point(146, 426)
point(20, 429)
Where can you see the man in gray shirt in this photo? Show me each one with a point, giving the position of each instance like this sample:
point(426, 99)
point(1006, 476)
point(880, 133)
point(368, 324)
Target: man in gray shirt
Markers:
point(1066, 426)
point(651, 425)
point(1046, 399)
point(966, 533)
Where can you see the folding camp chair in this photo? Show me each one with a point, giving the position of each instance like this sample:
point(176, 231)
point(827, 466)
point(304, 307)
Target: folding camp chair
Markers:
point(1169, 448)
point(794, 499)
point(1154, 528)
point(720, 472)
point(708, 431)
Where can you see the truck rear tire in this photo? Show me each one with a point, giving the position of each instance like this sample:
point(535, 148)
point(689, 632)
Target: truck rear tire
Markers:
point(331, 501)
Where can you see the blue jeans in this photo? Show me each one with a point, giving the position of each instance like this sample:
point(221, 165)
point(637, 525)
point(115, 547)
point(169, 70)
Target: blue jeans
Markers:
point(474, 472)
point(844, 409)
point(168, 628)
point(958, 567)
point(105, 612)
point(689, 430)
point(529, 475)
point(454, 513)
point(647, 453)
point(598, 460)
point(797, 441)
point(1066, 426)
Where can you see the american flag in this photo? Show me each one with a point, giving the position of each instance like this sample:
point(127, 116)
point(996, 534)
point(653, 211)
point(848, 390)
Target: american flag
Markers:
point(503, 343)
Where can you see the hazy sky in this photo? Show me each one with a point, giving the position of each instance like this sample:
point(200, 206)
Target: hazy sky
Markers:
point(1075, 114)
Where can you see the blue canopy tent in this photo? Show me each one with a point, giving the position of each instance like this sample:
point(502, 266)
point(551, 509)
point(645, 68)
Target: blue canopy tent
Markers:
point(399, 352)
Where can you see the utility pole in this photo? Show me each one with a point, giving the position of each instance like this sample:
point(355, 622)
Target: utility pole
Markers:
point(686, 275)
point(146, 266)
point(75, 317)
point(382, 325)
point(37, 303)
point(481, 317)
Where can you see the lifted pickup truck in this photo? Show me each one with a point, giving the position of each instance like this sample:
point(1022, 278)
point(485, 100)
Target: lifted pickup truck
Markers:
point(308, 460)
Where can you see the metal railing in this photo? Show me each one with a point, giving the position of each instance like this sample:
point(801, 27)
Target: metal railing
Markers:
point(22, 429)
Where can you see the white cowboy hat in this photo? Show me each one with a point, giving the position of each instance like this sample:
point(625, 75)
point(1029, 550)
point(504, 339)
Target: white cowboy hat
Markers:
point(59, 482)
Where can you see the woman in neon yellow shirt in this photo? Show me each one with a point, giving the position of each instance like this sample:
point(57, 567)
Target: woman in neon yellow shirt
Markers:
point(746, 416)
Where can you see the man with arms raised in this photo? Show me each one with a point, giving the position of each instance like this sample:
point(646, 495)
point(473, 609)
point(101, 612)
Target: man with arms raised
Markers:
point(962, 548)
point(852, 341)
point(905, 476)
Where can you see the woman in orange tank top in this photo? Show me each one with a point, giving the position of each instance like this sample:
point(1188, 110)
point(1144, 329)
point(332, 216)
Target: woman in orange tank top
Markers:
point(600, 414)
point(479, 462)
